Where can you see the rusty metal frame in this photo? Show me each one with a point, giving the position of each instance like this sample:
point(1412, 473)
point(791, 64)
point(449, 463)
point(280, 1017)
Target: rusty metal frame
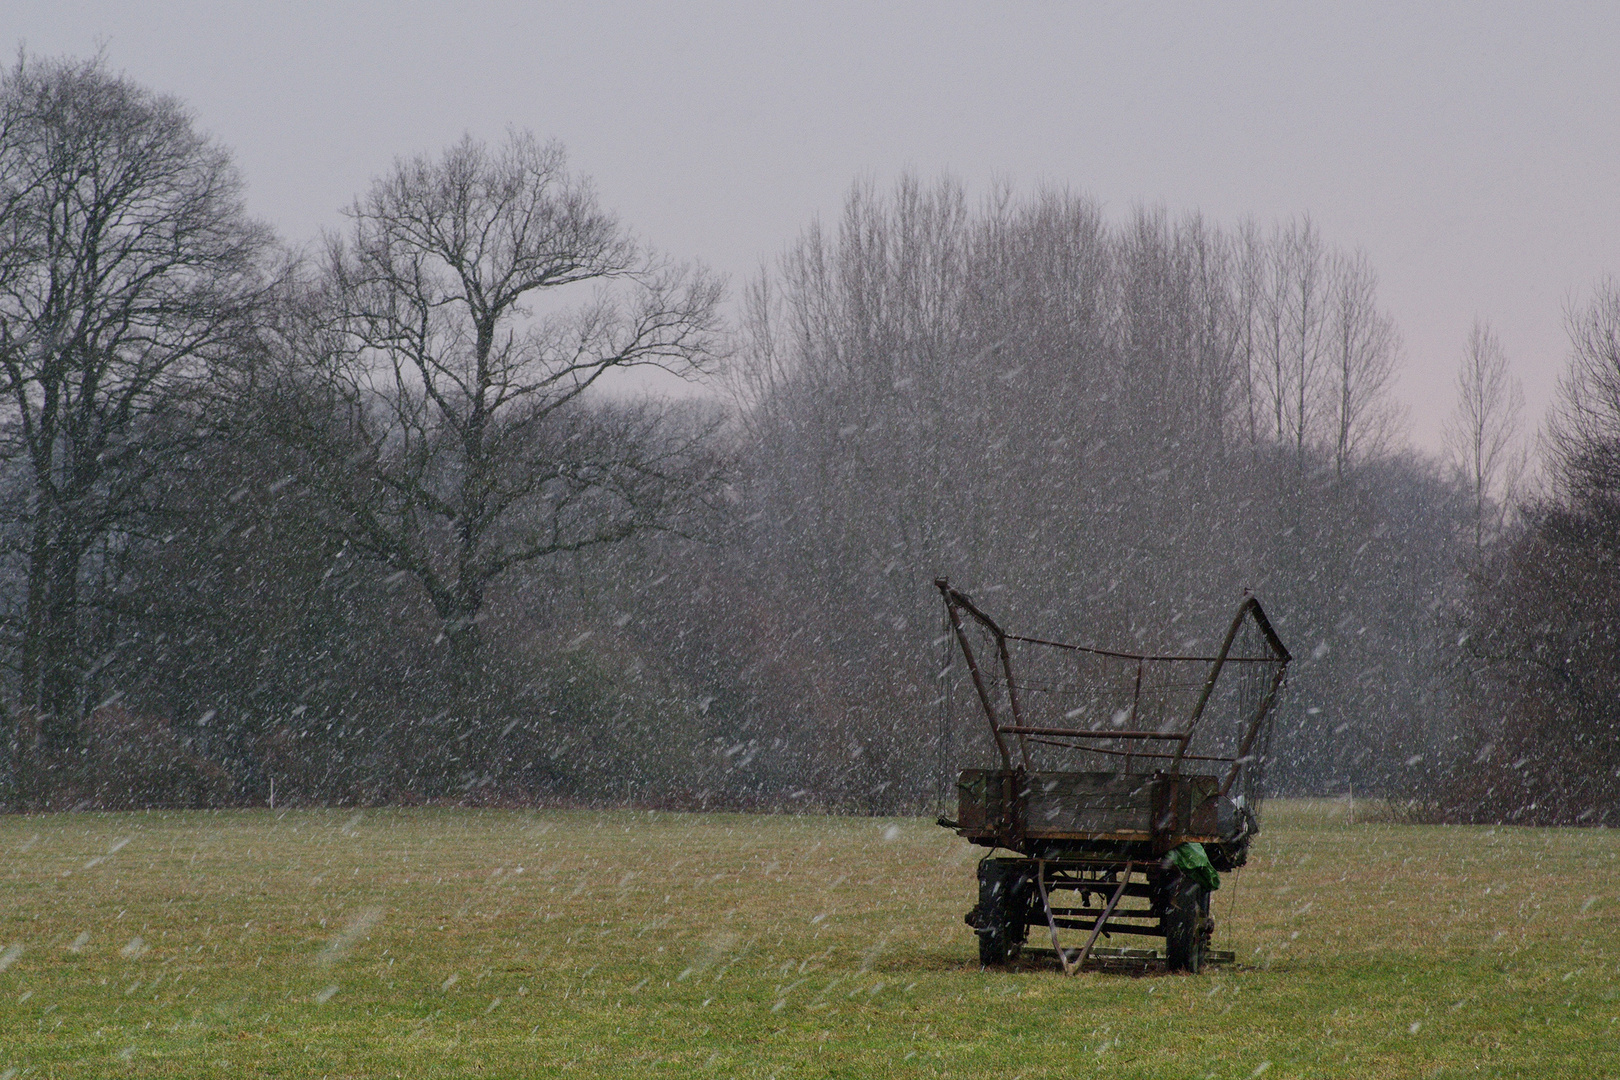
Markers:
point(952, 600)
point(1250, 608)
point(1102, 920)
point(957, 602)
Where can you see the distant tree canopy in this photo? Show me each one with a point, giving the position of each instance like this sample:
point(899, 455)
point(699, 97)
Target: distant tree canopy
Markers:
point(1112, 430)
point(375, 523)
point(222, 464)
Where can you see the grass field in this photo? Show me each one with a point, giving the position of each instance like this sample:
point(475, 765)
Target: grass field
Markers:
point(446, 943)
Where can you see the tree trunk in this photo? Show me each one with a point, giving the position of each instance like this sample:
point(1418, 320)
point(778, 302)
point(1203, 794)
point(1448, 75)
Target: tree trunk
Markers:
point(39, 561)
point(10, 755)
point(58, 677)
point(466, 657)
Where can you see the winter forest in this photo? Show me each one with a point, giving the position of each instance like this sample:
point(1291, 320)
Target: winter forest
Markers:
point(400, 514)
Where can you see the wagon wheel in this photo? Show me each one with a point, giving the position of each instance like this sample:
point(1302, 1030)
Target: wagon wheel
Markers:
point(1001, 943)
point(992, 930)
point(1186, 925)
point(1001, 917)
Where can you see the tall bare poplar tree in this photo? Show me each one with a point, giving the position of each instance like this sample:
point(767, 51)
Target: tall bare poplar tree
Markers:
point(1305, 266)
point(1293, 288)
point(1481, 435)
point(1362, 347)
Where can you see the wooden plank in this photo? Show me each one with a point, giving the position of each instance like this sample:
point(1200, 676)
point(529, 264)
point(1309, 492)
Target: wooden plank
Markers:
point(1088, 803)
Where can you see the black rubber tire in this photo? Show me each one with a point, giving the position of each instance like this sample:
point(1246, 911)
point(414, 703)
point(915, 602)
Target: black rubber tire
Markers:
point(1002, 902)
point(1186, 913)
point(992, 946)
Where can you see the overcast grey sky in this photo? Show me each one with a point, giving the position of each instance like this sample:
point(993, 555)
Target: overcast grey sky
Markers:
point(1470, 149)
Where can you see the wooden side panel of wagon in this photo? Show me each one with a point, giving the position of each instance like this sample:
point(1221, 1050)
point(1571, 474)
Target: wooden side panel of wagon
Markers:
point(1003, 804)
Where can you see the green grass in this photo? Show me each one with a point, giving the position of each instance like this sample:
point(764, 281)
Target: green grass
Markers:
point(440, 943)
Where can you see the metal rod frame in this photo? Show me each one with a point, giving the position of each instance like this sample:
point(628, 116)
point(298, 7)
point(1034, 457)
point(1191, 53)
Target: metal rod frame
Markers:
point(957, 602)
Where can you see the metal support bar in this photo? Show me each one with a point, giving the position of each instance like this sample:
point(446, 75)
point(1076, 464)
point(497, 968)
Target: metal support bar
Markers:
point(1046, 906)
point(1086, 733)
point(1131, 753)
point(950, 595)
point(1112, 926)
point(1085, 951)
point(1012, 699)
point(1214, 674)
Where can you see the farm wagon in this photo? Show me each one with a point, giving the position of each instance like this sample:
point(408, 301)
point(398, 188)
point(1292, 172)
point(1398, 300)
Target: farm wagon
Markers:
point(1126, 783)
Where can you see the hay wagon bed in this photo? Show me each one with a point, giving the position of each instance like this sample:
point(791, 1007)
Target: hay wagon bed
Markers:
point(1127, 783)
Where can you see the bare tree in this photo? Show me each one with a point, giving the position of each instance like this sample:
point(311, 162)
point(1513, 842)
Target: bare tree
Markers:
point(1249, 287)
point(1363, 347)
point(1538, 684)
point(444, 382)
point(1483, 431)
point(1291, 313)
point(1584, 432)
point(1177, 316)
point(1304, 266)
point(128, 272)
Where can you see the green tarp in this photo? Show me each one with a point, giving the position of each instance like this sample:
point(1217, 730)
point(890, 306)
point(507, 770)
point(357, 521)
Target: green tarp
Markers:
point(1190, 859)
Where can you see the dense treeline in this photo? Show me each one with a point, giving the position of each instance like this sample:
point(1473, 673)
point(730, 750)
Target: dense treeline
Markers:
point(1539, 663)
point(373, 522)
point(1108, 432)
point(265, 509)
